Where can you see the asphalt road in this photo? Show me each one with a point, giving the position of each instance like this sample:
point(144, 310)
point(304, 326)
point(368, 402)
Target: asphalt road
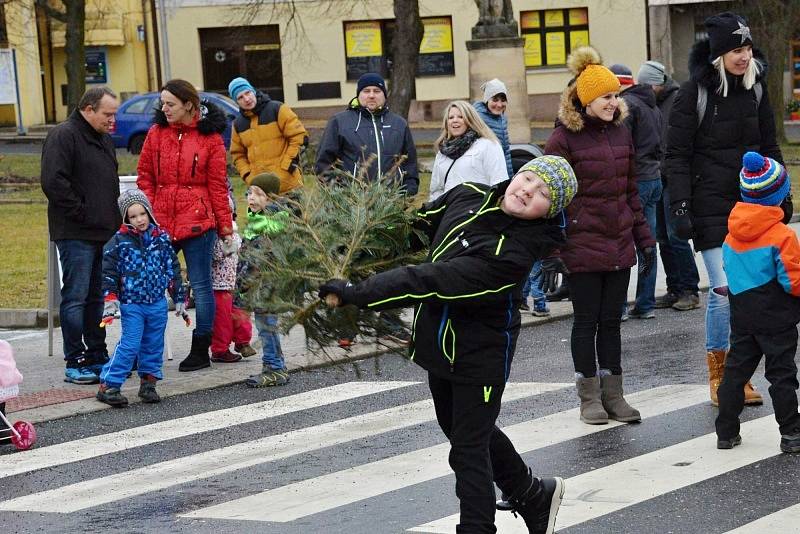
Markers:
point(368, 458)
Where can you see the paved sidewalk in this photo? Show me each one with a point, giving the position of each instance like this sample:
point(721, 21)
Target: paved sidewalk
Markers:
point(45, 395)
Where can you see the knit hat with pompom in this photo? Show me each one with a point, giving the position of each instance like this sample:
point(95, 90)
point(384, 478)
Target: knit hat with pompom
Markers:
point(592, 78)
point(762, 180)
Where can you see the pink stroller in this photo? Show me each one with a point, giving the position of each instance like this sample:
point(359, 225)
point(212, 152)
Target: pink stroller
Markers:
point(21, 434)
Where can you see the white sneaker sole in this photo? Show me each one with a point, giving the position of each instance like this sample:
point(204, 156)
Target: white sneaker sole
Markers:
point(555, 504)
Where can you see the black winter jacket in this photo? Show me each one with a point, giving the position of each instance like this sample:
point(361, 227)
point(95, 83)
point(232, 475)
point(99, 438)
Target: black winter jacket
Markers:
point(355, 134)
point(664, 101)
point(703, 163)
point(79, 177)
point(645, 123)
point(468, 291)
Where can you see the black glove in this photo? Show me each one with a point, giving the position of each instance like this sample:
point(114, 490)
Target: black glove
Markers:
point(648, 261)
point(788, 208)
point(337, 288)
point(682, 220)
point(551, 267)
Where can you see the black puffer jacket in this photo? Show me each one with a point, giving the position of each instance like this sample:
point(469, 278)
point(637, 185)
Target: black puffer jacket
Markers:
point(79, 177)
point(355, 134)
point(467, 293)
point(645, 123)
point(703, 163)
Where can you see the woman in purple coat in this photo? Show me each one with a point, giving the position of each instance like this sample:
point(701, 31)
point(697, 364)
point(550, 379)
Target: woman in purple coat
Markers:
point(605, 224)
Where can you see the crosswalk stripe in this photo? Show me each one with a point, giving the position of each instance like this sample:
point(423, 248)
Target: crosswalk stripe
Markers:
point(329, 491)
point(776, 522)
point(112, 488)
point(644, 477)
point(82, 449)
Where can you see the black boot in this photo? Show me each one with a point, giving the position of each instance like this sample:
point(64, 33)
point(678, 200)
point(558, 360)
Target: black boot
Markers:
point(537, 503)
point(198, 355)
point(5, 431)
point(561, 292)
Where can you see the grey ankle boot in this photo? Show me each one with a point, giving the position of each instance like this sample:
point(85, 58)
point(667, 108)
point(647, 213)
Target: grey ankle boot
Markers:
point(614, 403)
point(592, 412)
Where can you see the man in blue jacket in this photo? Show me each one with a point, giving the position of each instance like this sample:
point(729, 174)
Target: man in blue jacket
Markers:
point(367, 129)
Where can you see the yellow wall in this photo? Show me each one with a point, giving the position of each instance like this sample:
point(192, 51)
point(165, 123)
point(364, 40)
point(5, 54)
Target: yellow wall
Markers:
point(319, 56)
point(127, 64)
point(21, 24)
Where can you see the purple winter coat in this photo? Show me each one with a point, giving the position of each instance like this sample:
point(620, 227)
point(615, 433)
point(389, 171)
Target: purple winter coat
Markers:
point(605, 218)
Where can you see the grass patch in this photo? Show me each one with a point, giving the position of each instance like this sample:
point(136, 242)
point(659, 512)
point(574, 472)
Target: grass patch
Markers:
point(23, 263)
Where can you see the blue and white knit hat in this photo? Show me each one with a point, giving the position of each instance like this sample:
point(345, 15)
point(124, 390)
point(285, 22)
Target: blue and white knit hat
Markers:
point(557, 173)
point(763, 180)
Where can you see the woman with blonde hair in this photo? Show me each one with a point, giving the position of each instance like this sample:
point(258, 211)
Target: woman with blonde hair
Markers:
point(466, 151)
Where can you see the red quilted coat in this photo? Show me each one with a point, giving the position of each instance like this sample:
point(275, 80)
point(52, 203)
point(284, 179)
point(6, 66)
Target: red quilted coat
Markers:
point(182, 170)
point(605, 218)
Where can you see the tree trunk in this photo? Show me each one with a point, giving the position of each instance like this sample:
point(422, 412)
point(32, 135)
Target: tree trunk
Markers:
point(405, 51)
point(75, 51)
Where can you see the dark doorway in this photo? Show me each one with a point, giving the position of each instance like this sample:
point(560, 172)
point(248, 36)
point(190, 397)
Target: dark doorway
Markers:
point(250, 51)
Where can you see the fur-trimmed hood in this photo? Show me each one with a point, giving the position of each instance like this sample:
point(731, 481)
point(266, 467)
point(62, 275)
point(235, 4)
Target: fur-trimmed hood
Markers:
point(703, 72)
point(572, 115)
point(212, 118)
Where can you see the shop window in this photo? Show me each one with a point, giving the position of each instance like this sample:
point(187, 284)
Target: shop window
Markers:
point(368, 47)
point(551, 34)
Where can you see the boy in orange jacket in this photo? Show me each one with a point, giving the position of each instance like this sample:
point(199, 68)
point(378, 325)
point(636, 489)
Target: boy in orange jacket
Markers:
point(761, 257)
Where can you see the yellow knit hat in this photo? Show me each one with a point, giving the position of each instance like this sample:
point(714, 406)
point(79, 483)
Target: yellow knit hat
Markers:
point(593, 79)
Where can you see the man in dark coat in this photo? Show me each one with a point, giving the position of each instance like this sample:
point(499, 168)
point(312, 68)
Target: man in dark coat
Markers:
point(368, 129)
point(645, 123)
point(79, 177)
point(677, 256)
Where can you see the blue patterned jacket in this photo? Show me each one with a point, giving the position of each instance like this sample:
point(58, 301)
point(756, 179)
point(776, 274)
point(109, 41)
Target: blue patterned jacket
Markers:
point(139, 266)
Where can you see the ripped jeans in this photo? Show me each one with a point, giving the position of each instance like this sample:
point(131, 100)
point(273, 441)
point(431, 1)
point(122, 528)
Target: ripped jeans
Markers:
point(718, 309)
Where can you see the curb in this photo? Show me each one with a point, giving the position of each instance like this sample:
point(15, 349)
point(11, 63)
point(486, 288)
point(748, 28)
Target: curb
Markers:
point(25, 318)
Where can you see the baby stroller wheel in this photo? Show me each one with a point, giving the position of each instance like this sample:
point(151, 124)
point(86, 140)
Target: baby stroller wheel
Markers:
point(25, 436)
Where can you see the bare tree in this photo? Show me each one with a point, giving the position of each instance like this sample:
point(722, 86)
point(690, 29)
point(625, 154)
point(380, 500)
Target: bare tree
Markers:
point(772, 23)
point(405, 51)
point(73, 15)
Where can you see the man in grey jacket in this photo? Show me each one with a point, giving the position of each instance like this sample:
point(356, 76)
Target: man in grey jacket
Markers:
point(79, 177)
point(367, 128)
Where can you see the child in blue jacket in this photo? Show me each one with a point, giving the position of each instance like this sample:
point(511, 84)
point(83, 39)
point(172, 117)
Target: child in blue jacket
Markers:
point(139, 265)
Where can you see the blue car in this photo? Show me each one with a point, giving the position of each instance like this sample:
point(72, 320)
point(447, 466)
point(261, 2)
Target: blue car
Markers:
point(135, 116)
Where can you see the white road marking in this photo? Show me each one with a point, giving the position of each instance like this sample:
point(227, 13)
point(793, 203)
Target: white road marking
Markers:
point(779, 521)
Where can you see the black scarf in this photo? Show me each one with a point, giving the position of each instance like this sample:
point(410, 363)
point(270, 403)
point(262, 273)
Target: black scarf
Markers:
point(454, 148)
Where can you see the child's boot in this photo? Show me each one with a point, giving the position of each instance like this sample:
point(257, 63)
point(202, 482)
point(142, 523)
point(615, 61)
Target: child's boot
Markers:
point(540, 308)
point(269, 377)
point(225, 357)
point(613, 401)
point(723, 443)
point(5, 431)
point(111, 396)
point(147, 390)
point(592, 411)
point(791, 442)
point(538, 507)
point(244, 349)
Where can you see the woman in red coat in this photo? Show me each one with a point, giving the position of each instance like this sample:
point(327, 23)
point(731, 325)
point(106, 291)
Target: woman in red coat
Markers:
point(182, 170)
point(605, 224)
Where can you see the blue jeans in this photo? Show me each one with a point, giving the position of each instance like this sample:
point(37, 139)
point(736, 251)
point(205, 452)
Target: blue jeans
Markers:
point(81, 298)
point(197, 253)
point(718, 309)
point(649, 194)
point(677, 255)
point(533, 284)
point(142, 340)
point(267, 326)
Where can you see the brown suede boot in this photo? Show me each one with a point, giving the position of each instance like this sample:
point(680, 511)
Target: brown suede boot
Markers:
point(592, 411)
point(716, 367)
point(614, 402)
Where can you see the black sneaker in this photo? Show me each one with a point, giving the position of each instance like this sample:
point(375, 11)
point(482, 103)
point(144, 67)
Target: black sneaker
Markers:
point(542, 518)
point(148, 393)
point(112, 397)
point(736, 440)
point(666, 301)
point(791, 442)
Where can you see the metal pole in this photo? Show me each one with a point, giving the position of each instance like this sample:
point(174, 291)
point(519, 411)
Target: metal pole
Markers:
point(21, 130)
point(162, 17)
point(50, 247)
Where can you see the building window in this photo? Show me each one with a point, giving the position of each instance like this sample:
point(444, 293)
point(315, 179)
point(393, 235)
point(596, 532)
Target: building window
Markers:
point(368, 47)
point(3, 32)
point(550, 35)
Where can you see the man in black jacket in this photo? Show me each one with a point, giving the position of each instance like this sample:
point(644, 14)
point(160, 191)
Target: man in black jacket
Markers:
point(79, 177)
point(368, 129)
point(645, 123)
point(467, 295)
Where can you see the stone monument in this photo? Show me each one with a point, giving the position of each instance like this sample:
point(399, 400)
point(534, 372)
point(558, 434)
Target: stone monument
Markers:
point(497, 51)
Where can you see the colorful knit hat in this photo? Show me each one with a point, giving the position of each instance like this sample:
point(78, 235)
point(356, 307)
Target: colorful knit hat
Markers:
point(592, 78)
point(239, 86)
point(763, 180)
point(623, 73)
point(557, 173)
point(134, 196)
point(267, 182)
